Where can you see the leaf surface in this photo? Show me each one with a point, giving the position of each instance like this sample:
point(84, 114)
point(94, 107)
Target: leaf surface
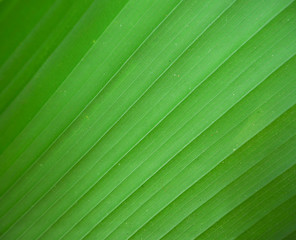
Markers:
point(146, 119)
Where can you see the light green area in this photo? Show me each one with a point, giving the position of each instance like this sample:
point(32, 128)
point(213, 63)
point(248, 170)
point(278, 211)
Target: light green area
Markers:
point(147, 119)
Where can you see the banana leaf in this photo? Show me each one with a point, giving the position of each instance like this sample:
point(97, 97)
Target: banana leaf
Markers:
point(147, 119)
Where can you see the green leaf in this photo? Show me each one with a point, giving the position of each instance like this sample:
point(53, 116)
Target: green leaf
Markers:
point(147, 119)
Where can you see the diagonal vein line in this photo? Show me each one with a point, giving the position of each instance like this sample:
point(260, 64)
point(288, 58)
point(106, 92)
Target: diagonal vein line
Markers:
point(191, 184)
point(28, 34)
point(170, 160)
point(119, 160)
point(134, 170)
point(229, 184)
point(100, 178)
point(258, 203)
point(187, 187)
point(242, 144)
point(191, 211)
point(54, 140)
point(217, 194)
point(29, 60)
point(130, 86)
point(106, 85)
point(244, 214)
point(289, 235)
point(50, 10)
point(249, 197)
point(44, 152)
point(95, 123)
point(105, 132)
point(26, 40)
point(279, 222)
point(108, 130)
point(76, 66)
point(274, 209)
point(170, 138)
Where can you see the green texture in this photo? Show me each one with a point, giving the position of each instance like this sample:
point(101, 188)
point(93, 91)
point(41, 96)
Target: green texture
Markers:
point(148, 119)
